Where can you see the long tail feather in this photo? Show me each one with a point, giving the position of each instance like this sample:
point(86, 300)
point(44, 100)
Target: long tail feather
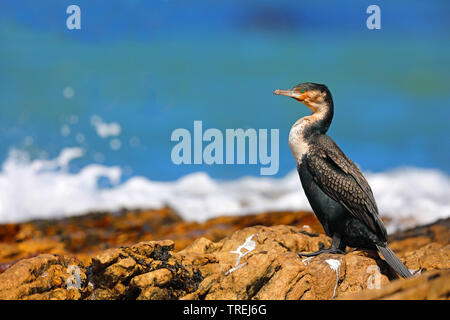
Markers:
point(394, 262)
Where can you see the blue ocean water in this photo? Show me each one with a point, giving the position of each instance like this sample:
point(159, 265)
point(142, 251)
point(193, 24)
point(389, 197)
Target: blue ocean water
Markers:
point(154, 66)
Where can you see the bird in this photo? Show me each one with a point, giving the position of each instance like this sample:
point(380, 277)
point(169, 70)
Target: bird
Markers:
point(338, 193)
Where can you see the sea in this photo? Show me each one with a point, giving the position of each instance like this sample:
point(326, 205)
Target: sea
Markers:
point(86, 116)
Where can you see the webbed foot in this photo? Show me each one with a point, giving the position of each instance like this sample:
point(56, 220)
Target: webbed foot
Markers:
point(336, 247)
point(316, 253)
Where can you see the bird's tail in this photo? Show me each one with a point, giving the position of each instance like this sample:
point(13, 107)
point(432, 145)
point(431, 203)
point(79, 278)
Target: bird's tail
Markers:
point(394, 262)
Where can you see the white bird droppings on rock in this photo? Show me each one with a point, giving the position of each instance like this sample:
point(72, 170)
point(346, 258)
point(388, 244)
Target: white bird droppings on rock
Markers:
point(248, 245)
point(335, 265)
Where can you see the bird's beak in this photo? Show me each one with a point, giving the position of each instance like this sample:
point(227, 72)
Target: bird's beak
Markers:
point(290, 93)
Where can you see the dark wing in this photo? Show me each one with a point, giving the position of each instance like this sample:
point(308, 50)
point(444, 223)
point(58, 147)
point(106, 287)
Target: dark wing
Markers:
point(341, 180)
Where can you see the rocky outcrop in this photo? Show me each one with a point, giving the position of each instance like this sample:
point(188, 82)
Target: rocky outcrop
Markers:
point(88, 235)
point(44, 277)
point(84, 236)
point(146, 270)
point(256, 262)
point(261, 263)
point(432, 285)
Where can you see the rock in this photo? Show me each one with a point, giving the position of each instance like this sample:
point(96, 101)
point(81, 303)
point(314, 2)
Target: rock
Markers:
point(431, 285)
point(43, 277)
point(158, 278)
point(254, 262)
point(10, 252)
point(146, 270)
point(88, 235)
point(429, 257)
point(271, 269)
point(408, 240)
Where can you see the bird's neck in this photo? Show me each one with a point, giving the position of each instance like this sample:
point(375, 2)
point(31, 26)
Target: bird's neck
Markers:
point(307, 127)
point(318, 122)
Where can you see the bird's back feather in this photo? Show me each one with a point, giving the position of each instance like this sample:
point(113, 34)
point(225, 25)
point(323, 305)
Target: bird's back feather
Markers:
point(341, 180)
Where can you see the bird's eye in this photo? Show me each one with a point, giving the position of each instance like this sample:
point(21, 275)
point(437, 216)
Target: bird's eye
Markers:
point(302, 91)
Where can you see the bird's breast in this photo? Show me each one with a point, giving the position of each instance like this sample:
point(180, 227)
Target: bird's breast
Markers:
point(298, 144)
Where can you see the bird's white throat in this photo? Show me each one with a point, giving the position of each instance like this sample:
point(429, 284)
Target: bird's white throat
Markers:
point(297, 142)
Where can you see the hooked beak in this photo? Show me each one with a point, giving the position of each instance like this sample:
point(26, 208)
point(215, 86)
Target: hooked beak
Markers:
point(290, 93)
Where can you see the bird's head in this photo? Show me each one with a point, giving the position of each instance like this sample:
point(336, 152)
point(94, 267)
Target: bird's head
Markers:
point(315, 96)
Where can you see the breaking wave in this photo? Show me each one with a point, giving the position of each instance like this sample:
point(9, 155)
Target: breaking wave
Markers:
point(40, 189)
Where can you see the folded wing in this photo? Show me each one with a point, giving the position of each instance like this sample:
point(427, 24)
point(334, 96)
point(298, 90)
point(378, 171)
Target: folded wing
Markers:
point(341, 180)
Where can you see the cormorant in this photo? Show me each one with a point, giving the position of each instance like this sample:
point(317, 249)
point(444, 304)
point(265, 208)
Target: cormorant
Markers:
point(338, 193)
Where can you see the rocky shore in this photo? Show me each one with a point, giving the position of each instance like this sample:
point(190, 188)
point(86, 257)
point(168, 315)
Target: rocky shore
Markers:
point(153, 254)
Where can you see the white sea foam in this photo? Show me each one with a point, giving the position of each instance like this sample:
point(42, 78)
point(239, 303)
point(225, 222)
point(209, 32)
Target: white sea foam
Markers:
point(46, 189)
point(104, 129)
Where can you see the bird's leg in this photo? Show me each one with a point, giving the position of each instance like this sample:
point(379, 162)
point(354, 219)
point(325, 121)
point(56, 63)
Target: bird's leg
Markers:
point(336, 247)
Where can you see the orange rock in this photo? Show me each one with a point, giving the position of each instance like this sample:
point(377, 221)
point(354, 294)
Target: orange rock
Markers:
point(429, 257)
point(273, 270)
point(85, 236)
point(43, 277)
point(257, 262)
point(127, 255)
point(431, 285)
